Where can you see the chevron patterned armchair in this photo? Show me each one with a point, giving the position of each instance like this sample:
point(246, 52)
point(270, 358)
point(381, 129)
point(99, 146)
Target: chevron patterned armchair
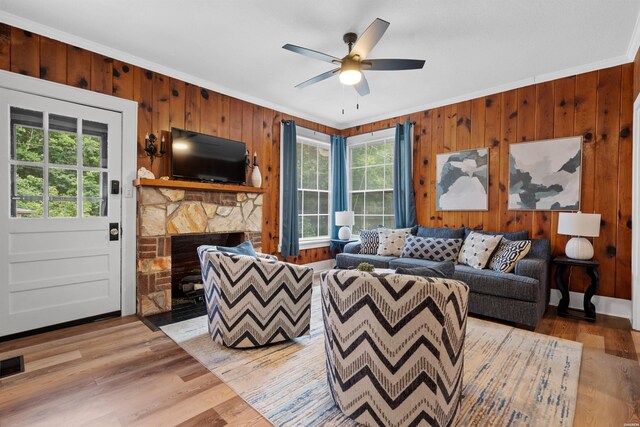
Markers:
point(395, 346)
point(254, 301)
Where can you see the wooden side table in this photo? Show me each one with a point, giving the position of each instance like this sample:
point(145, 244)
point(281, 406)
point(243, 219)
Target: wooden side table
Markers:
point(591, 265)
point(341, 244)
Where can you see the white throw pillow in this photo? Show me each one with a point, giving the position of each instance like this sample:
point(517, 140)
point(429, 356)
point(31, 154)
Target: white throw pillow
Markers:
point(392, 241)
point(477, 249)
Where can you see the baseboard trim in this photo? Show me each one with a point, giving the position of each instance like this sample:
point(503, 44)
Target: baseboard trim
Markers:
point(604, 305)
point(319, 266)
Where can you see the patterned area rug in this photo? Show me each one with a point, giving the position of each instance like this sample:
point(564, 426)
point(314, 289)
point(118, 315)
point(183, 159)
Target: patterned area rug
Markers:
point(512, 377)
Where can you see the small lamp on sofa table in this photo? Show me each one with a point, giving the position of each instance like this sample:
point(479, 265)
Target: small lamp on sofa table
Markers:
point(346, 220)
point(579, 225)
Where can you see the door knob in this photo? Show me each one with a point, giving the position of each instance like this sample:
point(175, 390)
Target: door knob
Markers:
point(114, 231)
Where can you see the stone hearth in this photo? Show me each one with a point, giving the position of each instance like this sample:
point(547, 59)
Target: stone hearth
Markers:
point(165, 212)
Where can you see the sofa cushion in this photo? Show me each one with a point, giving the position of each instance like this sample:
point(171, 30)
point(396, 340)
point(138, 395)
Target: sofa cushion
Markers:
point(444, 270)
point(477, 249)
point(506, 285)
point(391, 241)
point(440, 232)
point(431, 248)
point(508, 254)
point(369, 241)
point(511, 235)
point(344, 260)
point(411, 262)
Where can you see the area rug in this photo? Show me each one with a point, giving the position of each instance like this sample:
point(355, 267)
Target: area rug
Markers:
point(512, 377)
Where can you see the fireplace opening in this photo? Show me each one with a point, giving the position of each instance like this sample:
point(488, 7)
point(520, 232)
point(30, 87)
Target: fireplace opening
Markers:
point(186, 278)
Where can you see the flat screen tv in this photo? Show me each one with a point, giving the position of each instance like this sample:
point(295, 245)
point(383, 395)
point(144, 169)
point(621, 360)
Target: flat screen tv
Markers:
point(208, 158)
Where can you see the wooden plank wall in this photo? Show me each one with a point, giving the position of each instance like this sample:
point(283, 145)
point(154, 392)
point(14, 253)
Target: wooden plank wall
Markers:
point(164, 102)
point(596, 105)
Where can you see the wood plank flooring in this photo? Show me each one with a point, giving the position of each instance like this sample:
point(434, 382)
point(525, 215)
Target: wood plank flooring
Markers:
point(118, 372)
point(114, 373)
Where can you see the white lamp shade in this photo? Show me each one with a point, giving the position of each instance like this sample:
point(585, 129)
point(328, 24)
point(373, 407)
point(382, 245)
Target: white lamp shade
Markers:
point(579, 224)
point(344, 218)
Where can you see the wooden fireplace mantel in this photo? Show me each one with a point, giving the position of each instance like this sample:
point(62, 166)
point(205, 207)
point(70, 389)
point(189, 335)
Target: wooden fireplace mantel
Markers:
point(193, 185)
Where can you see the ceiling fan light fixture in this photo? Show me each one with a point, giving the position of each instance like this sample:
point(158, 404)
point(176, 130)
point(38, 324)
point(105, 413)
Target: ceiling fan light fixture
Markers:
point(350, 77)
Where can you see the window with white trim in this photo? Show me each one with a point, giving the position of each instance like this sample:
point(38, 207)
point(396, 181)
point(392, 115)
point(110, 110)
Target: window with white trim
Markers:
point(370, 176)
point(313, 182)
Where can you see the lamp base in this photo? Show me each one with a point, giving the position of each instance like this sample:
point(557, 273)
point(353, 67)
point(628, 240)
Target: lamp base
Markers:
point(344, 233)
point(579, 248)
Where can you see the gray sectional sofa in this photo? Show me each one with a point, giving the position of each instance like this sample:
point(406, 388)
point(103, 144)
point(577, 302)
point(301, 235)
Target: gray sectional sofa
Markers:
point(521, 297)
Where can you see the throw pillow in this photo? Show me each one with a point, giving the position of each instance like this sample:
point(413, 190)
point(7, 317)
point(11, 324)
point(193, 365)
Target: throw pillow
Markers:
point(431, 249)
point(369, 241)
point(477, 249)
point(439, 232)
point(443, 269)
point(511, 235)
point(392, 241)
point(245, 248)
point(508, 254)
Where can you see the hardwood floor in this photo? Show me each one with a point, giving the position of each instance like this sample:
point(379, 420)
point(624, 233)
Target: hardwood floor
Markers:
point(114, 373)
point(118, 372)
point(609, 386)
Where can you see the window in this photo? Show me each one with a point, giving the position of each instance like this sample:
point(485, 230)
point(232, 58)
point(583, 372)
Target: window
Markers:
point(56, 171)
point(370, 175)
point(313, 182)
point(313, 164)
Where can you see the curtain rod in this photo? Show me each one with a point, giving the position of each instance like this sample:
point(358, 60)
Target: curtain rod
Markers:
point(297, 125)
point(413, 123)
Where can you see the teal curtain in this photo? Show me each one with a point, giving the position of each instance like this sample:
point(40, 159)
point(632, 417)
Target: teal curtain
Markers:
point(404, 203)
point(289, 245)
point(340, 198)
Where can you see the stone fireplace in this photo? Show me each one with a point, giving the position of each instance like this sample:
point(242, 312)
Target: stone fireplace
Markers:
point(164, 212)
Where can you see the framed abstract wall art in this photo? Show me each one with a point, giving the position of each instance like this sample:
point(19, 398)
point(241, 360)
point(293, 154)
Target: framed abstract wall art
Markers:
point(545, 175)
point(463, 180)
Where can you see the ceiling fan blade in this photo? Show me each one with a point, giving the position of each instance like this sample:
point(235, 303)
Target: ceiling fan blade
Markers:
point(392, 64)
point(318, 78)
point(312, 53)
point(369, 39)
point(362, 87)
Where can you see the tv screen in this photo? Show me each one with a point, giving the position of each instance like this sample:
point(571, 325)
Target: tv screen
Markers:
point(210, 158)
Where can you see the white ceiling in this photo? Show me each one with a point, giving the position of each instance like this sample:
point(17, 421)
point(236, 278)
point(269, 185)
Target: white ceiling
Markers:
point(472, 47)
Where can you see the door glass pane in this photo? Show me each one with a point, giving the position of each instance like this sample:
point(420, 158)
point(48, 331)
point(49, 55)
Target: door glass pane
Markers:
point(27, 185)
point(94, 193)
point(63, 193)
point(94, 144)
point(63, 140)
point(27, 135)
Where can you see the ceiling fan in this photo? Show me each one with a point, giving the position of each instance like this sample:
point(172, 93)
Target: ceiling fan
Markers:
point(351, 66)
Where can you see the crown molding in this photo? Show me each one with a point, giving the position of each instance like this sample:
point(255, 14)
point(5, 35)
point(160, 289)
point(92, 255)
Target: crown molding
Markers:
point(63, 36)
point(634, 43)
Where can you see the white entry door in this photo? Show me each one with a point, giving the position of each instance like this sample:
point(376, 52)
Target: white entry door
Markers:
point(58, 258)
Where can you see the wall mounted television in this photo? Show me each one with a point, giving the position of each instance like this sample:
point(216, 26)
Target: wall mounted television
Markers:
point(207, 158)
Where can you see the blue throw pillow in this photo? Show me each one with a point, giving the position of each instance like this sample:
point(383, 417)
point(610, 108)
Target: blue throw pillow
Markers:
point(444, 270)
point(245, 248)
point(439, 232)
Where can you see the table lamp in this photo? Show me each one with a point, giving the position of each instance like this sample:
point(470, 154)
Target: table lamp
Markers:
point(579, 225)
point(345, 219)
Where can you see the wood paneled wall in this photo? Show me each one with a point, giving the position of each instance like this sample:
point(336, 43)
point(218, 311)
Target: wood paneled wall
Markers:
point(164, 102)
point(597, 105)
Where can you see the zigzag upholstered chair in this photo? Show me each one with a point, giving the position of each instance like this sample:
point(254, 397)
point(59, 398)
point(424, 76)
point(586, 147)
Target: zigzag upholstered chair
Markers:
point(394, 346)
point(254, 301)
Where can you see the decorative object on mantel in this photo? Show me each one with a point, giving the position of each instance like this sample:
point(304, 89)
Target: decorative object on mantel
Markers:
point(579, 225)
point(145, 173)
point(545, 175)
point(151, 148)
point(256, 176)
point(463, 180)
point(165, 178)
point(346, 220)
